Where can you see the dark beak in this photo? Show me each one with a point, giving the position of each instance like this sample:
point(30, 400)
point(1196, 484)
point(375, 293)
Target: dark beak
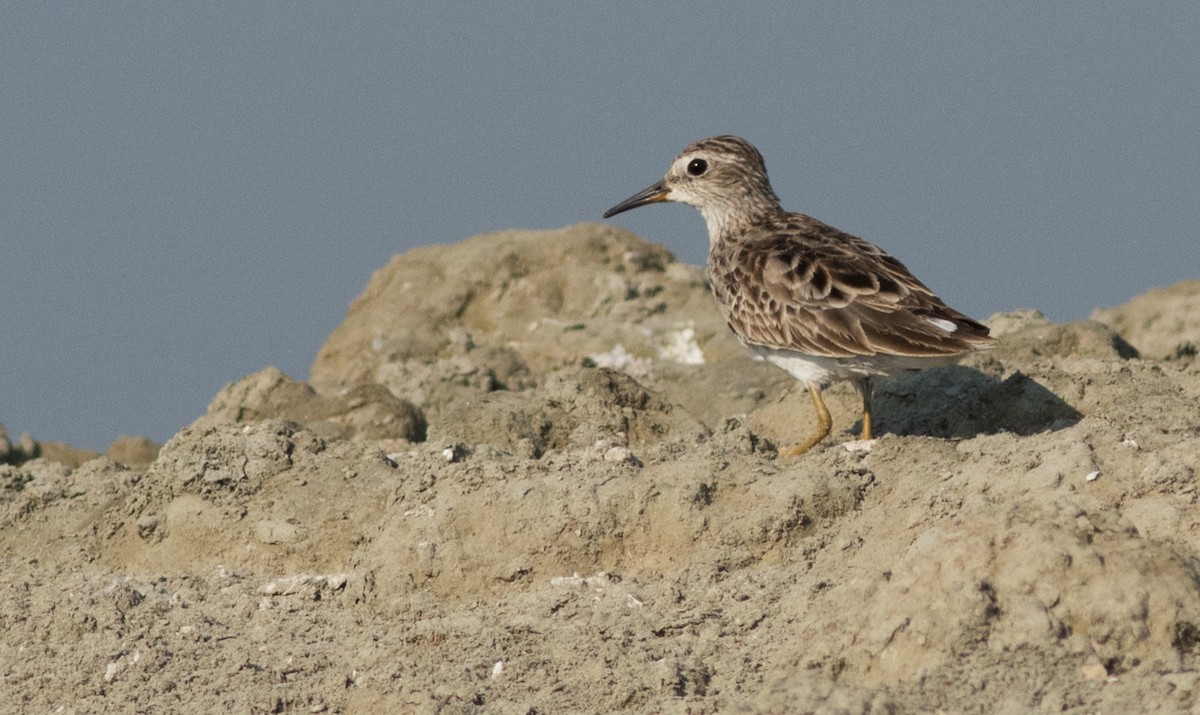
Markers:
point(649, 195)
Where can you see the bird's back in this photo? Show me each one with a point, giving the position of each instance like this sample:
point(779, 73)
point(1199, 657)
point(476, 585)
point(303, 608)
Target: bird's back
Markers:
point(794, 283)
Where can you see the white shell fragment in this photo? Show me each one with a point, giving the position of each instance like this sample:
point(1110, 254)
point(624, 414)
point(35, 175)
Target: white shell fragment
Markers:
point(454, 453)
point(303, 583)
point(859, 445)
point(573, 580)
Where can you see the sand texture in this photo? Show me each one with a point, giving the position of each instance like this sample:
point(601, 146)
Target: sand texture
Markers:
point(532, 472)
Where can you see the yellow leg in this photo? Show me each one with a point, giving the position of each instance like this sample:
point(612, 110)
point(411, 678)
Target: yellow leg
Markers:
point(864, 389)
point(824, 424)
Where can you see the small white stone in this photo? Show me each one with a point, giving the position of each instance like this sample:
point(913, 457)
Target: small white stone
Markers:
point(497, 669)
point(1093, 476)
point(618, 454)
point(454, 453)
point(575, 580)
point(859, 445)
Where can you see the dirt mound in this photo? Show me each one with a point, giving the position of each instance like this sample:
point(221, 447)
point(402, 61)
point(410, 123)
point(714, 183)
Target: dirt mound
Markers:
point(442, 325)
point(1163, 323)
point(367, 410)
point(533, 473)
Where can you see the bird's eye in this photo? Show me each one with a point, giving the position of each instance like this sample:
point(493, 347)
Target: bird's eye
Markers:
point(696, 167)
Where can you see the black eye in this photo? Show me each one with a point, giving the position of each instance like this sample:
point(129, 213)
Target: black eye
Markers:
point(696, 167)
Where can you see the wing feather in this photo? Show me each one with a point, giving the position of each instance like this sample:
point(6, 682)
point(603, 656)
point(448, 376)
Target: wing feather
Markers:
point(802, 285)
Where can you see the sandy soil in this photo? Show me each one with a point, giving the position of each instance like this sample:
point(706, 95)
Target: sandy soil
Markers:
point(532, 473)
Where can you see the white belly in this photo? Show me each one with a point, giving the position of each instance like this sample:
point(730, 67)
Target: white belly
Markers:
point(826, 370)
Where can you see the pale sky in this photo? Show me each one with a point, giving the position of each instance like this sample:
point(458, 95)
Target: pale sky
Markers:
point(192, 192)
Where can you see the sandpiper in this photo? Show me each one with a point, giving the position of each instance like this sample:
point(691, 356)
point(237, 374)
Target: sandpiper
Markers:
point(823, 305)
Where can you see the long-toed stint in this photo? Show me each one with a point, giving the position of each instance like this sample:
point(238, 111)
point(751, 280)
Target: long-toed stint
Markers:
point(819, 303)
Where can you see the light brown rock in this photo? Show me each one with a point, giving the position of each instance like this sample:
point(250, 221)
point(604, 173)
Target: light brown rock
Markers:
point(1161, 323)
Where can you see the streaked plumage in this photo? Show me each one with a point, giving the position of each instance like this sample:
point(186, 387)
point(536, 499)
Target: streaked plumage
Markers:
point(822, 304)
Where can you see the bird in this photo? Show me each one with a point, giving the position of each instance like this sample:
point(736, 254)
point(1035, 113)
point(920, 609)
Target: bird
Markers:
point(821, 304)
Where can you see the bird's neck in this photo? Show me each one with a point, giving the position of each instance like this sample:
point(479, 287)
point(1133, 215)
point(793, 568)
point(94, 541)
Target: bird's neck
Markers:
point(725, 220)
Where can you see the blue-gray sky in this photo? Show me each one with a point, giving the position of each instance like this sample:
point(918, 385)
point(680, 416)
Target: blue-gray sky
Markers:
point(190, 192)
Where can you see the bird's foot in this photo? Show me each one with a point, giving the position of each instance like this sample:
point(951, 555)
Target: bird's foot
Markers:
point(798, 449)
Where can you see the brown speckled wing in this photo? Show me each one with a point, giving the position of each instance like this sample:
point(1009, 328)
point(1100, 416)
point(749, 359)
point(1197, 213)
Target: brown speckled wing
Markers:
point(798, 284)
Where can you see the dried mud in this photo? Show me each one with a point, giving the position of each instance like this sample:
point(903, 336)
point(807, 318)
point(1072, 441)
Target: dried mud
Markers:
point(532, 473)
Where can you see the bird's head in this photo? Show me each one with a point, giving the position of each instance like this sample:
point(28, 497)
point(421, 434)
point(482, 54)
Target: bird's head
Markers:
point(724, 177)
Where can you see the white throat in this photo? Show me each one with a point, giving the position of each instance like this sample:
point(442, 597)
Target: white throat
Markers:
point(719, 220)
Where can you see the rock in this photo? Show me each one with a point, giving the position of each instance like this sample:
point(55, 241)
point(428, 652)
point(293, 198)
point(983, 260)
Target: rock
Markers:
point(1086, 338)
point(575, 408)
point(365, 411)
point(59, 452)
point(28, 448)
point(444, 324)
point(1015, 321)
point(1163, 323)
point(133, 451)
